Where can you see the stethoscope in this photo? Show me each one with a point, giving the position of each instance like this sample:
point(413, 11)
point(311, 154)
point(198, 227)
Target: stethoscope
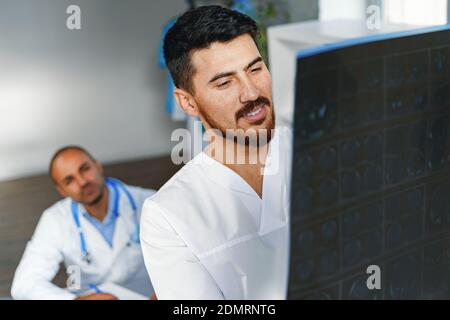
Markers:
point(115, 186)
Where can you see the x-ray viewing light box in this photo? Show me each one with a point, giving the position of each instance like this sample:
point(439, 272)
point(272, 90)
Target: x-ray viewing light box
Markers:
point(285, 41)
point(371, 168)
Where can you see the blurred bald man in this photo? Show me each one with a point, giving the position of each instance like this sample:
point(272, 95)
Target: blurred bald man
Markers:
point(94, 230)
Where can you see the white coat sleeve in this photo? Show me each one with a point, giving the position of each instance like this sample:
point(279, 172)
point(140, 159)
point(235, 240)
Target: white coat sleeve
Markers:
point(40, 263)
point(176, 273)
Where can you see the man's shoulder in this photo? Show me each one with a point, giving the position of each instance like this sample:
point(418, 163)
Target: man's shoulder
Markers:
point(60, 207)
point(59, 211)
point(185, 177)
point(185, 186)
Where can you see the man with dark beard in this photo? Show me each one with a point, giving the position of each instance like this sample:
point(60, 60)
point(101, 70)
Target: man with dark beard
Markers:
point(94, 230)
point(219, 229)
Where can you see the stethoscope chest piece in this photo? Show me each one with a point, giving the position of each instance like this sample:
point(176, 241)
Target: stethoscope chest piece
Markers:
point(85, 256)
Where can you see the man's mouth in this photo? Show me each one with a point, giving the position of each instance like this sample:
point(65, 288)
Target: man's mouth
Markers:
point(88, 190)
point(257, 113)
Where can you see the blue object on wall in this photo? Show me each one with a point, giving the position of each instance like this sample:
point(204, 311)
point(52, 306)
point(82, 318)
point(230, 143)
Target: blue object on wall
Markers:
point(171, 105)
point(246, 7)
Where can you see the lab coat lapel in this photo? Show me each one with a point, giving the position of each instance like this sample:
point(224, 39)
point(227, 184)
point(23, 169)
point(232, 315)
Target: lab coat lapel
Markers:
point(122, 229)
point(273, 209)
point(245, 195)
point(94, 239)
point(97, 247)
point(225, 176)
point(275, 197)
point(120, 240)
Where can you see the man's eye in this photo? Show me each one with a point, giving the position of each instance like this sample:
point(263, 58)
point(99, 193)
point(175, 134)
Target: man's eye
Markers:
point(223, 84)
point(256, 70)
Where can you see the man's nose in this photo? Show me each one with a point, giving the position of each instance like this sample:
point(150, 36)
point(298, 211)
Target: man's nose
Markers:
point(81, 181)
point(249, 92)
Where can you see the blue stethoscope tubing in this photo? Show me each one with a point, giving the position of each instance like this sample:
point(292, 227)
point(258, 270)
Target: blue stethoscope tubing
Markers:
point(116, 185)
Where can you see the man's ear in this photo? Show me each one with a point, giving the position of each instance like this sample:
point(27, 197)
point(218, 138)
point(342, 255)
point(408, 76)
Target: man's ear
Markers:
point(186, 101)
point(99, 166)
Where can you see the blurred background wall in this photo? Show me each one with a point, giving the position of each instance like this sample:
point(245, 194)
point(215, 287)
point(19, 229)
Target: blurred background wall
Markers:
point(100, 86)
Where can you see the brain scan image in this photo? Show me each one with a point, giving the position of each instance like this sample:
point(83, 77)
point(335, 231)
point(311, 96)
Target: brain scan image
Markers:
point(370, 170)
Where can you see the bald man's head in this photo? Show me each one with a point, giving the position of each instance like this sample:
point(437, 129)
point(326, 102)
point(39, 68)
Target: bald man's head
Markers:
point(61, 151)
point(77, 175)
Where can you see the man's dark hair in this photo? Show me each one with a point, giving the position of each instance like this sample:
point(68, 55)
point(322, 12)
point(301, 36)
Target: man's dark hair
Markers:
point(198, 29)
point(61, 151)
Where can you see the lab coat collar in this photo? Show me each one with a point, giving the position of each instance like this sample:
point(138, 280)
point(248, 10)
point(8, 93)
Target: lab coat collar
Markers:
point(272, 209)
point(124, 225)
point(109, 215)
point(122, 229)
point(226, 177)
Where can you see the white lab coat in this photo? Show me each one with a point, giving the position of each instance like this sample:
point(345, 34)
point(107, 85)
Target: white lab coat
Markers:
point(56, 240)
point(208, 235)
